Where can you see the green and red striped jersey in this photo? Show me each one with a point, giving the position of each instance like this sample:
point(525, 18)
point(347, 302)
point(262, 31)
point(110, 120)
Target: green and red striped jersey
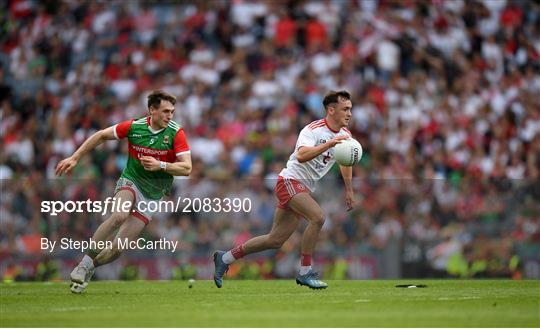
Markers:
point(164, 145)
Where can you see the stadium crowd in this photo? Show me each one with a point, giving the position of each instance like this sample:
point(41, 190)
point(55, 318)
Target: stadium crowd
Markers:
point(445, 104)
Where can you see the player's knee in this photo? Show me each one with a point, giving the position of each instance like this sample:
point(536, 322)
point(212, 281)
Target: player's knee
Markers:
point(117, 219)
point(318, 219)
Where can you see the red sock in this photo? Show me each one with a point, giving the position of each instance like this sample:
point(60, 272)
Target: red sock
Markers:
point(305, 260)
point(238, 251)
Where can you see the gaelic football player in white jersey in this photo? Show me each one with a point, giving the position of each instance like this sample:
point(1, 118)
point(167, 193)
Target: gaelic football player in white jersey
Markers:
point(311, 160)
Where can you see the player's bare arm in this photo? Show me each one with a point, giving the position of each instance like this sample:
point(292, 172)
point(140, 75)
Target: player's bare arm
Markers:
point(306, 153)
point(181, 167)
point(66, 165)
point(346, 173)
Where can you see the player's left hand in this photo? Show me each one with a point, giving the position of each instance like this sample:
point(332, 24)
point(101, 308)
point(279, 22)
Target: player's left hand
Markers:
point(65, 166)
point(150, 163)
point(349, 200)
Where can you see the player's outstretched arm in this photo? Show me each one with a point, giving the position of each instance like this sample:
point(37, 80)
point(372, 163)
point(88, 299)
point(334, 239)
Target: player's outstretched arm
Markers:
point(66, 165)
point(306, 153)
point(182, 167)
point(346, 173)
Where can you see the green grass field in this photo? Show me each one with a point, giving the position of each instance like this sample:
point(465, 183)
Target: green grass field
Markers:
point(275, 303)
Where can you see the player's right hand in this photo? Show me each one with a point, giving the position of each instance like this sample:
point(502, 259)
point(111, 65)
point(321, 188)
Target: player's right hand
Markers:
point(336, 140)
point(65, 166)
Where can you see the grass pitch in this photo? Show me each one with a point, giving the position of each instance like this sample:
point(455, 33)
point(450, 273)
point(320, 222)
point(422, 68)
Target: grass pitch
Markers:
point(275, 303)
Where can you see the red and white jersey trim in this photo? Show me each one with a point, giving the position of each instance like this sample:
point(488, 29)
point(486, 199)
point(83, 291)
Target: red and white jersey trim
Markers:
point(316, 124)
point(316, 133)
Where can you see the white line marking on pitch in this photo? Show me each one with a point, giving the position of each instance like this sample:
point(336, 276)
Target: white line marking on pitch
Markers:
point(74, 308)
point(458, 298)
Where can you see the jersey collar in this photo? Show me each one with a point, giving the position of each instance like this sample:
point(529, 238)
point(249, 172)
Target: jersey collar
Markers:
point(150, 127)
point(328, 126)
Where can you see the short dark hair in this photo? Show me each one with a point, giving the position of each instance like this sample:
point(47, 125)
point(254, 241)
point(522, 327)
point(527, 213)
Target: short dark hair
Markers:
point(156, 96)
point(333, 97)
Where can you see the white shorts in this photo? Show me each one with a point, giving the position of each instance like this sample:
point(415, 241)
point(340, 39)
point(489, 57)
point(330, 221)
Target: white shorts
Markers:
point(136, 210)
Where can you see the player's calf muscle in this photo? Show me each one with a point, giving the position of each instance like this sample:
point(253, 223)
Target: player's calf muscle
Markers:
point(274, 243)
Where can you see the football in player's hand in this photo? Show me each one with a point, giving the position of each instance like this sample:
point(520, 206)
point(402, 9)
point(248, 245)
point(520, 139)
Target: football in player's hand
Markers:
point(348, 152)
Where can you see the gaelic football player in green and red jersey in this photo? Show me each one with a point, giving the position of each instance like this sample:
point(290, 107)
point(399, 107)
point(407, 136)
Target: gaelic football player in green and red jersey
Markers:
point(158, 150)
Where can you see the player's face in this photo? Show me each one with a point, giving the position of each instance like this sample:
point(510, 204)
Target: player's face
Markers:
point(342, 112)
point(162, 115)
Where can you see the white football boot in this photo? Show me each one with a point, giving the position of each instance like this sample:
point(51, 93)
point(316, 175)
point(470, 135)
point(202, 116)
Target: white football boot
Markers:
point(80, 276)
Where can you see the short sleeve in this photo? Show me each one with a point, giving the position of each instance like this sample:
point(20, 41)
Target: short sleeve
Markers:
point(121, 130)
point(180, 143)
point(306, 138)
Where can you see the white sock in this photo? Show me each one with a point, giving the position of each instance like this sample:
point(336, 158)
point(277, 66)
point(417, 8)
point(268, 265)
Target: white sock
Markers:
point(87, 262)
point(304, 269)
point(228, 257)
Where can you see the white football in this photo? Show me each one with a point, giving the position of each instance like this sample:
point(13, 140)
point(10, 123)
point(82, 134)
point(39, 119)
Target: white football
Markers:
point(348, 152)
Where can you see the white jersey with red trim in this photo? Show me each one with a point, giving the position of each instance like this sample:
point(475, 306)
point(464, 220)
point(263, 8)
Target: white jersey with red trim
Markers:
point(314, 134)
